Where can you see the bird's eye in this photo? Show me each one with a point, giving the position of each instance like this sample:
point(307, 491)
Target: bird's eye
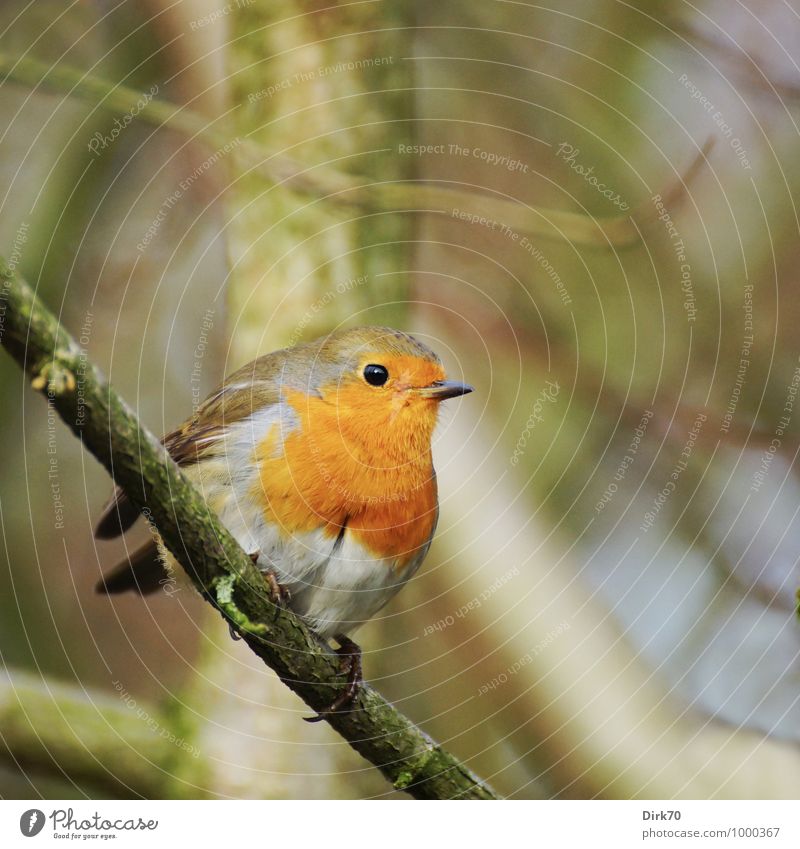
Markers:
point(375, 375)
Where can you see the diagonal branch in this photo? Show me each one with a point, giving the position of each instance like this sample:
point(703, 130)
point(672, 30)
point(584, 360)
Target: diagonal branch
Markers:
point(220, 570)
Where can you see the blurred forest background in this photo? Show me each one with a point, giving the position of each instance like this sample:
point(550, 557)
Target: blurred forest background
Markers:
point(589, 208)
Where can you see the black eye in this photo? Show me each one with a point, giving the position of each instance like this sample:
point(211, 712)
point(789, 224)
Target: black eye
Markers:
point(375, 375)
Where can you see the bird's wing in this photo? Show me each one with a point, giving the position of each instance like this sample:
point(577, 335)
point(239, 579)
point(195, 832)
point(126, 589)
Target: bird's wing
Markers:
point(253, 387)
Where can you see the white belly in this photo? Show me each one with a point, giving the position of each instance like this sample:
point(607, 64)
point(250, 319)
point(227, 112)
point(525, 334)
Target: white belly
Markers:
point(345, 588)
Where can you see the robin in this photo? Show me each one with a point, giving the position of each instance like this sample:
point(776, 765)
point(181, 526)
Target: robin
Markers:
point(317, 458)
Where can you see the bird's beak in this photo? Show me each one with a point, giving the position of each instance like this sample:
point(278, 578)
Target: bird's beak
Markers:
point(442, 389)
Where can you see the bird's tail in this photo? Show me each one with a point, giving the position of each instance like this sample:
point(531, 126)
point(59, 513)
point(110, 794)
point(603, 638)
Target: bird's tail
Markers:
point(142, 572)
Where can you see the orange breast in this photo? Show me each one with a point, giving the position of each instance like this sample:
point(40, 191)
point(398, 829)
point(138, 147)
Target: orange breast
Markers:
point(344, 467)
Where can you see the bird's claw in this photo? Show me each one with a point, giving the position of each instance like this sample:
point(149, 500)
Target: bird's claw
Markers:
point(350, 663)
point(278, 594)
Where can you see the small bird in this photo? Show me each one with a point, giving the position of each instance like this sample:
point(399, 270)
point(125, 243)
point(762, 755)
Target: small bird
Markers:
point(317, 459)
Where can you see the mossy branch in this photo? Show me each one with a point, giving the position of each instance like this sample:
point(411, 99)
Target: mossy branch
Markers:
point(220, 570)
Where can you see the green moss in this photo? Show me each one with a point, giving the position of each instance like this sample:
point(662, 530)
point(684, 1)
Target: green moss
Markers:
point(223, 592)
point(415, 769)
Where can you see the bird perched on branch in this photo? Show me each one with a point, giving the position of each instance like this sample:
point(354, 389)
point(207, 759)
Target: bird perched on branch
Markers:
point(317, 458)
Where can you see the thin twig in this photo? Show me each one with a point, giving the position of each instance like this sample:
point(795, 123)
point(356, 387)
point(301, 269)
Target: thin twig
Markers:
point(323, 181)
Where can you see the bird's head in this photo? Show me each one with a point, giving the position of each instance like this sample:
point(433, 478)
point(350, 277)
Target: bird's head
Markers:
point(384, 384)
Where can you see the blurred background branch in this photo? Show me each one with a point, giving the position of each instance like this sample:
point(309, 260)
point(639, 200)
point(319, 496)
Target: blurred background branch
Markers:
point(84, 739)
point(321, 181)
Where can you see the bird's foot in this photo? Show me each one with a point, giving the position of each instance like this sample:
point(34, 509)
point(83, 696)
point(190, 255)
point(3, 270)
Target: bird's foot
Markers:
point(350, 663)
point(279, 594)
